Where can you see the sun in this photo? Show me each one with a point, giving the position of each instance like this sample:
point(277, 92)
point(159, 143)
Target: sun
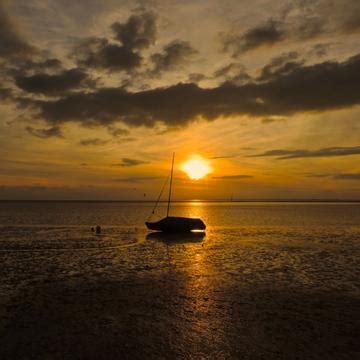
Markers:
point(196, 168)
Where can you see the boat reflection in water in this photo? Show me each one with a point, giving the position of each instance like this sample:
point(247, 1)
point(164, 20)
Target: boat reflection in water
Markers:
point(178, 238)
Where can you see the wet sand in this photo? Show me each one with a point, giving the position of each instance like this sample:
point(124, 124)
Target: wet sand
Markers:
point(229, 295)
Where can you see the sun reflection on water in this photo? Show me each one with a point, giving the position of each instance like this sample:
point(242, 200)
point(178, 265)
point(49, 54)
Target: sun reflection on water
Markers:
point(195, 209)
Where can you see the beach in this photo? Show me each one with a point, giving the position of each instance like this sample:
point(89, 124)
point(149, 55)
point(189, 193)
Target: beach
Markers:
point(266, 281)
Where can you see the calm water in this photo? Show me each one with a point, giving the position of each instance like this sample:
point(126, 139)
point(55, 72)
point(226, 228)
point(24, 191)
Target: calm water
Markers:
point(42, 225)
point(263, 282)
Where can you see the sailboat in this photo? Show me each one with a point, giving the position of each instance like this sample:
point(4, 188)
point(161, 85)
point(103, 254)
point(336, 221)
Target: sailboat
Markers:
point(174, 224)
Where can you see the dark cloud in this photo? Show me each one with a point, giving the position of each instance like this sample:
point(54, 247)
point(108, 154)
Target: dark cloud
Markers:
point(326, 152)
point(319, 87)
point(38, 74)
point(127, 162)
point(25, 67)
point(234, 73)
point(93, 142)
point(281, 65)
point(101, 54)
point(340, 176)
point(266, 34)
point(173, 55)
point(229, 70)
point(233, 177)
point(5, 93)
point(139, 32)
point(196, 77)
point(319, 50)
point(48, 63)
point(11, 43)
point(51, 84)
point(52, 132)
point(349, 176)
point(118, 132)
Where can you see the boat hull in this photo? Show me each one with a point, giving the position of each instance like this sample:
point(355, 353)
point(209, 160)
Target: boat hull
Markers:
point(176, 224)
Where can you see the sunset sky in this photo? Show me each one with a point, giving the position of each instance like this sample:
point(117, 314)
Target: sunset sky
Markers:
point(96, 95)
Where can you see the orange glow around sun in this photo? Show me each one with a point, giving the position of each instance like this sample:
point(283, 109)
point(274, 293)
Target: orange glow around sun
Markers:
point(196, 168)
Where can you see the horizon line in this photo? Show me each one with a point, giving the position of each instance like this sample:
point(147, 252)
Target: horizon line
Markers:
point(184, 200)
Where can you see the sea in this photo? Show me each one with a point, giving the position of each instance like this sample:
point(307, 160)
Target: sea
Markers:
point(266, 280)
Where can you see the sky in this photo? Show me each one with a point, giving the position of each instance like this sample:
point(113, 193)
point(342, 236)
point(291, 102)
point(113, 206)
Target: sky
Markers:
point(96, 95)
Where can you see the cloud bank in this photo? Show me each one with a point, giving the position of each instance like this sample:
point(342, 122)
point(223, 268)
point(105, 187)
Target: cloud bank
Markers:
point(325, 86)
point(127, 162)
point(326, 152)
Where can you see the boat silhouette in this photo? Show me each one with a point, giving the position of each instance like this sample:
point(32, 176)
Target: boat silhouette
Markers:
point(173, 224)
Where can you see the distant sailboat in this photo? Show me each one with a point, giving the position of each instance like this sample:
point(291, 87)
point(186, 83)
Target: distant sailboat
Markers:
point(175, 224)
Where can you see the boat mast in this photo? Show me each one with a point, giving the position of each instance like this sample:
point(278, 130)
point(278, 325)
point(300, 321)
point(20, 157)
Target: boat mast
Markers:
point(171, 177)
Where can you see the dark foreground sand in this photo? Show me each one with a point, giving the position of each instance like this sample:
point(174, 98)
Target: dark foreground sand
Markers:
point(192, 299)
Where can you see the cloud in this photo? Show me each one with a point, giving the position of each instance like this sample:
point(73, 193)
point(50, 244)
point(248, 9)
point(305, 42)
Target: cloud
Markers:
point(51, 84)
point(139, 32)
point(127, 162)
point(233, 177)
point(348, 176)
point(234, 73)
point(196, 77)
point(93, 142)
point(51, 132)
point(12, 44)
point(308, 28)
point(5, 93)
point(100, 53)
point(319, 87)
point(173, 55)
point(25, 67)
point(326, 152)
point(36, 65)
point(298, 21)
point(340, 176)
point(267, 34)
point(280, 65)
point(313, 17)
point(51, 63)
point(118, 132)
point(319, 50)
